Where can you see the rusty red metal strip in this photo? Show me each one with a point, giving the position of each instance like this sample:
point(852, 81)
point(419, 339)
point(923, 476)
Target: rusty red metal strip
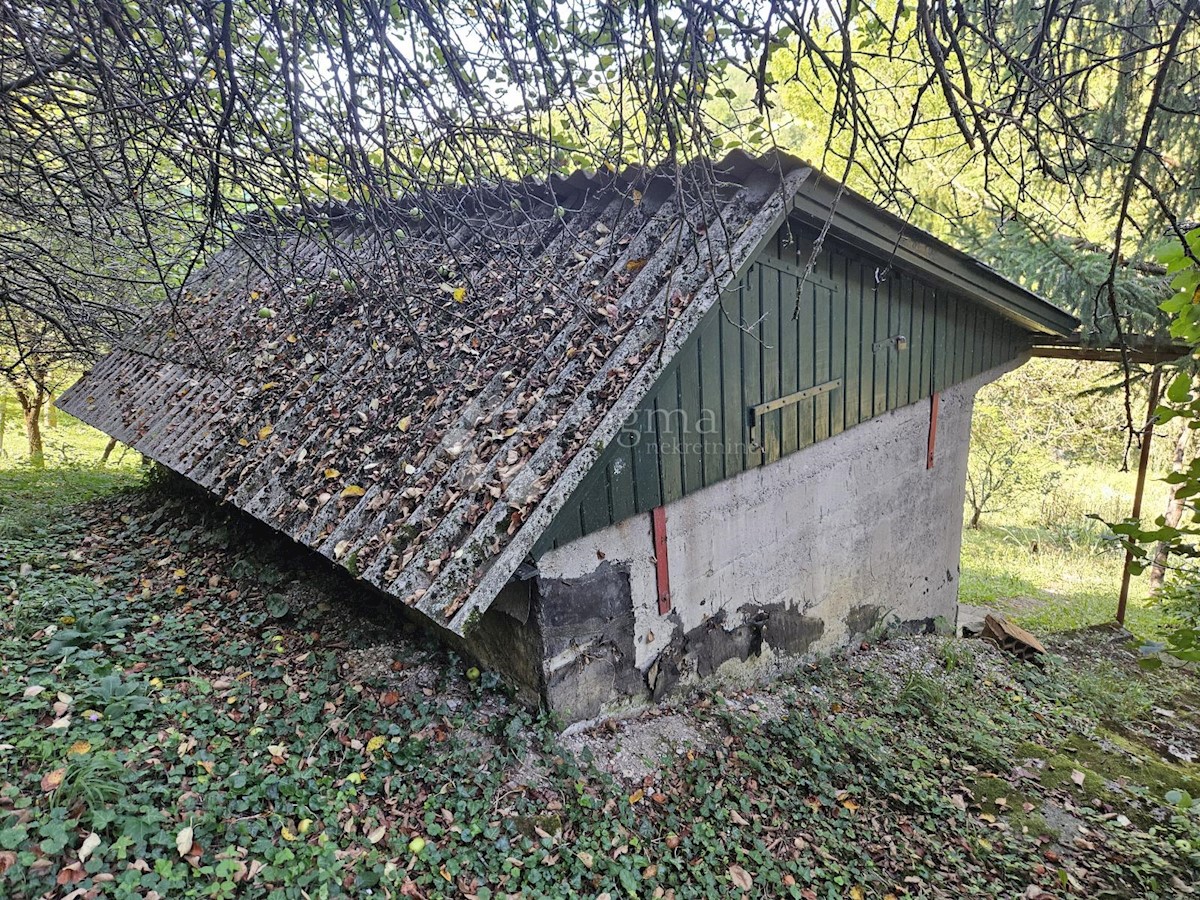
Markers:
point(658, 530)
point(934, 402)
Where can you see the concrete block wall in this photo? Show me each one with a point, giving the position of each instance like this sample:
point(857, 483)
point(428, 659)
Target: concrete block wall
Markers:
point(791, 559)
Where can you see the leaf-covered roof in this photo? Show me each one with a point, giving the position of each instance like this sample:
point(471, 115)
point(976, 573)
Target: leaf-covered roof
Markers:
point(415, 390)
point(416, 401)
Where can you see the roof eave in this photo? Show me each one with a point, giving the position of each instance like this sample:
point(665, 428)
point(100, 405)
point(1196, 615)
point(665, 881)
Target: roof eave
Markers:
point(858, 222)
point(1137, 349)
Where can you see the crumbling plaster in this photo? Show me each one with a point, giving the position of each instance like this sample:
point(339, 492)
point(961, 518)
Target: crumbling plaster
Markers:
point(793, 558)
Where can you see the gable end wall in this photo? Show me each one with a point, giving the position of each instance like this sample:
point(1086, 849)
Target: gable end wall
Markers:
point(691, 430)
point(768, 567)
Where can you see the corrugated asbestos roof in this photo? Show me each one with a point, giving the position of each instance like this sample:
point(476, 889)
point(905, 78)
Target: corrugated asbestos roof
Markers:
point(418, 406)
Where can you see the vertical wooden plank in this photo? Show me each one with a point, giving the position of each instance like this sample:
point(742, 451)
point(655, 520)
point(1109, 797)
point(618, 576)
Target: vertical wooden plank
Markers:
point(961, 327)
point(982, 332)
point(621, 499)
point(969, 359)
point(666, 411)
point(733, 417)
point(880, 356)
point(963, 342)
point(895, 361)
point(866, 380)
point(906, 327)
point(769, 428)
point(644, 451)
point(752, 355)
point(916, 340)
point(709, 428)
point(838, 337)
point(943, 348)
point(993, 342)
point(789, 362)
point(806, 363)
point(852, 301)
point(566, 523)
point(687, 442)
point(951, 338)
point(929, 338)
point(933, 329)
point(594, 512)
point(822, 337)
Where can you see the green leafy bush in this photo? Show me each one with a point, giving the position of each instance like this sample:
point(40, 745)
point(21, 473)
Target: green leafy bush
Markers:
point(1182, 401)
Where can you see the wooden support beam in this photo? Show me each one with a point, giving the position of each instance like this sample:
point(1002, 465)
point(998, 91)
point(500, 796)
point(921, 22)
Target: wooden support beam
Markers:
point(935, 403)
point(658, 530)
point(1139, 490)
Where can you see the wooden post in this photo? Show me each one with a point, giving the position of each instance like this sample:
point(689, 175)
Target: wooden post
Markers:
point(1139, 489)
point(658, 531)
point(934, 403)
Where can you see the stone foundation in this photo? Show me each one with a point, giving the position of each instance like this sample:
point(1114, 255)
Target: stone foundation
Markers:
point(800, 557)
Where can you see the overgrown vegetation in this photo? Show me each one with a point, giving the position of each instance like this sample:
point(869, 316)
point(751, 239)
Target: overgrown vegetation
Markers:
point(1170, 543)
point(66, 442)
point(181, 716)
point(1049, 440)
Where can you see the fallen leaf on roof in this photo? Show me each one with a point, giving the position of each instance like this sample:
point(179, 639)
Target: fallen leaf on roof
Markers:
point(352, 490)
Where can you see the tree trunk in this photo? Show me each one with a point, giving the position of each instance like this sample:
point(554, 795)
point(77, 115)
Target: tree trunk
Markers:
point(975, 514)
point(1175, 505)
point(33, 433)
point(51, 412)
point(108, 449)
point(31, 397)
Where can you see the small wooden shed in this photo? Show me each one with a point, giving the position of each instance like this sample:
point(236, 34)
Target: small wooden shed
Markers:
point(610, 433)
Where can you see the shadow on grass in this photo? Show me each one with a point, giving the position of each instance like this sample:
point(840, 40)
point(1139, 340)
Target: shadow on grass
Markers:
point(30, 498)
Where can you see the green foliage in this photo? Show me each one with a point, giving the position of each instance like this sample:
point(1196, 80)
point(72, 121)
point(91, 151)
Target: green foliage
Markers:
point(1182, 402)
point(1181, 305)
point(216, 750)
point(1004, 464)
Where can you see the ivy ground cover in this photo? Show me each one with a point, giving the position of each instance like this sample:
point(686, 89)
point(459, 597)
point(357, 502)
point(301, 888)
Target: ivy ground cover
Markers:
point(189, 709)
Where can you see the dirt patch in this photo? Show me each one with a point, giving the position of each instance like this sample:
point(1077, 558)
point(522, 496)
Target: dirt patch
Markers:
point(635, 749)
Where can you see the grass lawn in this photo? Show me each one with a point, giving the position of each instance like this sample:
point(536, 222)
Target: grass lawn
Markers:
point(1047, 566)
point(69, 443)
point(188, 708)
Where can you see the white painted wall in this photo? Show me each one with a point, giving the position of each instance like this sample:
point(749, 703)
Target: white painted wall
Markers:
point(851, 521)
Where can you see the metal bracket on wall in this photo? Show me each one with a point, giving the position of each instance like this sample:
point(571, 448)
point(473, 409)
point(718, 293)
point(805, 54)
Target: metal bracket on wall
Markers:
point(896, 342)
point(757, 412)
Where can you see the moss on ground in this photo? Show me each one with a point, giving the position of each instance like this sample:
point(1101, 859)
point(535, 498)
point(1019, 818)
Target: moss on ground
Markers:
point(997, 797)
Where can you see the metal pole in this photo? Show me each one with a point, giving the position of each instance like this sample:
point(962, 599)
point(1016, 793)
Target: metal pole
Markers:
point(1136, 513)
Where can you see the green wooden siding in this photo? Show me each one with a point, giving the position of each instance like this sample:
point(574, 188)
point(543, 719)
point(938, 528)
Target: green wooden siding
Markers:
point(768, 338)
